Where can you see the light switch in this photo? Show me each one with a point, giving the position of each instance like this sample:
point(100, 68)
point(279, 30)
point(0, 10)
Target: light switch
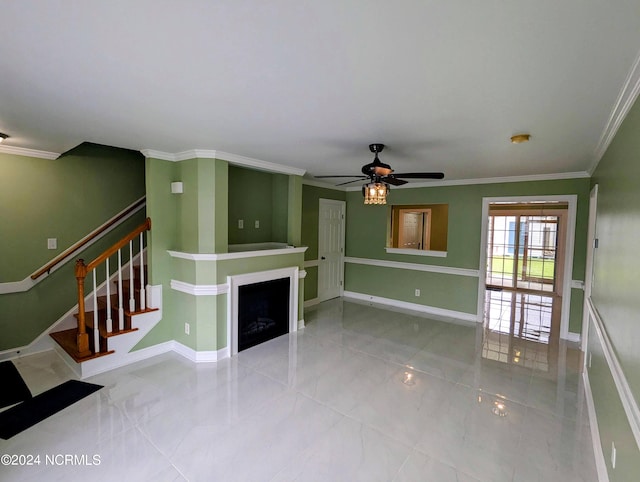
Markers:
point(240, 224)
point(257, 224)
point(52, 243)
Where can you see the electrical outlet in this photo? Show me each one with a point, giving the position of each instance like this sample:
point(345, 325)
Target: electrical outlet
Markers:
point(52, 243)
point(187, 328)
point(257, 224)
point(240, 224)
point(613, 455)
point(417, 292)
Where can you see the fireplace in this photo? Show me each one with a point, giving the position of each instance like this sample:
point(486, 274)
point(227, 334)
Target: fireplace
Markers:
point(261, 306)
point(263, 312)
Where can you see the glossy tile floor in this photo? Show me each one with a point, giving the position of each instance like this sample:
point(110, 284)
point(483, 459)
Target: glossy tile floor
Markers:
point(360, 394)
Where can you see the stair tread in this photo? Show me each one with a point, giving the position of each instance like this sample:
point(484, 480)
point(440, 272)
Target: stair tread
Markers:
point(67, 341)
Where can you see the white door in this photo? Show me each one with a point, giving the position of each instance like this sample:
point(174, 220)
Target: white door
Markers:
point(330, 249)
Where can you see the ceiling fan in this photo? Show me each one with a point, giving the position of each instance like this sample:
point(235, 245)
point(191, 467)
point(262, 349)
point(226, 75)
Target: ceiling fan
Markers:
point(378, 171)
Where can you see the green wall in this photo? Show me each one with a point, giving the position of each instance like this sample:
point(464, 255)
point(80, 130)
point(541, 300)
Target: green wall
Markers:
point(367, 233)
point(257, 196)
point(311, 196)
point(615, 289)
point(201, 220)
point(65, 199)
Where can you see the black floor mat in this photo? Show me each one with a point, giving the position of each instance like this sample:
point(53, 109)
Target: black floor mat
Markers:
point(30, 412)
point(12, 387)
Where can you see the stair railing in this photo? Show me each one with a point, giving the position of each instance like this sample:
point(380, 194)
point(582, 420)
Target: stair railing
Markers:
point(81, 272)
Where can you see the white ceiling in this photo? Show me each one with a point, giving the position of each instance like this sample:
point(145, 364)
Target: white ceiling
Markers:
point(310, 84)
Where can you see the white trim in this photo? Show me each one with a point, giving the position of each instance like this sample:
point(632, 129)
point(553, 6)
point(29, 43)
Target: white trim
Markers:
point(624, 390)
point(224, 156)
point(311, 263)
point(624, 102)
point(239, 255)
point(431, 310)
point(572, 203)
point(23, 151)
point(236, 248)
point(300, 323)
point(259, 164)
point(474, 273)
point(601, 465)
point(199, 290)
point(163, 156)
point(416, 252)
point(235, 281)
point(302, 274)
point(589, 265)
point(205, 356)
point(577, 284)
point(311, 302)
point(325, 185)
point(491, 180)
point(573, 337)
point(28, 283)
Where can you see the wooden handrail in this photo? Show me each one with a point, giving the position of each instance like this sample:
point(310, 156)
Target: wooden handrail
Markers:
point(65, 254)
point(146, 226)
point(81, 272)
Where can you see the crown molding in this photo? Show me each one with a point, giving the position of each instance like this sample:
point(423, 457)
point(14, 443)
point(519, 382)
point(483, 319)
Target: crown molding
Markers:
point(224, 156)
point(259, 164)
point(491, 180)
point(625, 101)
point(23, 151)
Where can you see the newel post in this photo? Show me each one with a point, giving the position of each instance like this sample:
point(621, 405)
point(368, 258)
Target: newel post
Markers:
point(83, 337)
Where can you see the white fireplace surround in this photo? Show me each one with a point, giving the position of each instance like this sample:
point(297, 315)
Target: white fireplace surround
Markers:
point(234, 282)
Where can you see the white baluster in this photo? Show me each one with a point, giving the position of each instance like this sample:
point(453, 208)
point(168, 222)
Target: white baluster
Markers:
point(120, 307)
point(96, 330)
point(109, 320)
point(143, 301)
point(132, 300)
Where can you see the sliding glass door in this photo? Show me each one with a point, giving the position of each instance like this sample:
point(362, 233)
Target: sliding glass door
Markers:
point(524, 250)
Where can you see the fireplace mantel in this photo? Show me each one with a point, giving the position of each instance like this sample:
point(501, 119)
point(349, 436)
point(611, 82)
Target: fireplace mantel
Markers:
point(235, 281)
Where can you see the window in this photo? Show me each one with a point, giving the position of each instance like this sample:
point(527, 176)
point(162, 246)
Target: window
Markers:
point(418, 229)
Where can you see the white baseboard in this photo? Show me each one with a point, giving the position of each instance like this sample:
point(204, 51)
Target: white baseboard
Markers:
point(301, 323)
point(431, 310)
point(200, 356)
point(311, 302)
point(601, 465)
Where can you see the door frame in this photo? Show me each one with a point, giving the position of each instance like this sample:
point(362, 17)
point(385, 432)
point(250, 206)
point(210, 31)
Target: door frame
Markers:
point(343, 207)
point(592, 234)
point(572, 202)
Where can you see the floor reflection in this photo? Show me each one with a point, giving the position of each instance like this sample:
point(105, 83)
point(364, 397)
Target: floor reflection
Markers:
point(522, 329)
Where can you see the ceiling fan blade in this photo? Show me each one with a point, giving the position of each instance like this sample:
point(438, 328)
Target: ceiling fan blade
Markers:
point(393, 180)
point(349, 182)
point(420, 175)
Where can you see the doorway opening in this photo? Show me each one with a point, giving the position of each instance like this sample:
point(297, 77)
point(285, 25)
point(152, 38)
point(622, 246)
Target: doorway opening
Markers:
point(524, 277)
point(525, 246)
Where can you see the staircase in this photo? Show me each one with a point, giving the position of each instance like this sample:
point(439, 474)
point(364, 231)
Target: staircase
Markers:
point(115, 315)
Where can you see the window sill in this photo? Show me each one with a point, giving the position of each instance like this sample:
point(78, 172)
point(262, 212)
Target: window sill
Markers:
point(416, 252)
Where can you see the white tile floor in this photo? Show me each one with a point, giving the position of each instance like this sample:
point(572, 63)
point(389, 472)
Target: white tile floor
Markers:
point(359, 394)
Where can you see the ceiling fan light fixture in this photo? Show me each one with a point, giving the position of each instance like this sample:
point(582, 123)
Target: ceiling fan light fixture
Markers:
point(520, 138)
point(375, 193)
point(3, 136)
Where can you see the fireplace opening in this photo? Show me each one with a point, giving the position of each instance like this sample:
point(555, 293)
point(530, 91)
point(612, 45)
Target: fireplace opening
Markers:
point(263, 312)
